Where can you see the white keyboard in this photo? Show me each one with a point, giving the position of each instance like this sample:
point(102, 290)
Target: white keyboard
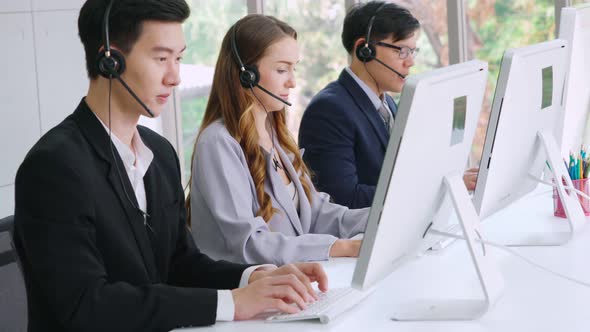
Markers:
point(331, 304)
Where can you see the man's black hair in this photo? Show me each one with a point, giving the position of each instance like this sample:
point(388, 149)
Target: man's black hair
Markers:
point(391, 20)
point(125, 23)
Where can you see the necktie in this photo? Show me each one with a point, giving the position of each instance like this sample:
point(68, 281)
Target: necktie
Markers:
point(386, 116)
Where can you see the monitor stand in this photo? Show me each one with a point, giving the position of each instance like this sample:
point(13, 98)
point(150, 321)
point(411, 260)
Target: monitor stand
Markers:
point(569, 199)
point(490, 279)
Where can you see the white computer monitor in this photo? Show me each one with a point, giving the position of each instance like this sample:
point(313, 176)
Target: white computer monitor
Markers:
point(574, 26)
point(425, 160)
point(520, 139)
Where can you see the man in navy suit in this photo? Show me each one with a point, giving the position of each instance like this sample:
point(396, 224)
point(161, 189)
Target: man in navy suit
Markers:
point(345, 128)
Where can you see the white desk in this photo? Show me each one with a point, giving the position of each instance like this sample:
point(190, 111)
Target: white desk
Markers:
point(532, 299)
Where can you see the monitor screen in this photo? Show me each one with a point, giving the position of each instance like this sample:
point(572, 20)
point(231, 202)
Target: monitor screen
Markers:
point(547, 87)
point(459, 113)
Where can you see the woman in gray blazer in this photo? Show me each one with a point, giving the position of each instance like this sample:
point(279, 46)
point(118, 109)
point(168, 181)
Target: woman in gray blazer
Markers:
point(251, 198)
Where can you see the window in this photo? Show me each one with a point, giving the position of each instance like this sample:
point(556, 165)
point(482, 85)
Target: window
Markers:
point(493, 27)
point(433, 40)
point(204, 31)
point(319, 27)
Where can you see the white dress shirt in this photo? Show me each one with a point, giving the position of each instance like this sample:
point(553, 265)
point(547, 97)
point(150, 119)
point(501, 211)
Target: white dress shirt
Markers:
point(136, 163)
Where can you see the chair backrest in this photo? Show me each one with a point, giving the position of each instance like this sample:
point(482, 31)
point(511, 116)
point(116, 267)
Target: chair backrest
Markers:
point(13, 299)
point(6, 226)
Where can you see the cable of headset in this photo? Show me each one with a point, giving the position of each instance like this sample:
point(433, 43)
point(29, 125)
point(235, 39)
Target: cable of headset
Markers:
point(143, 213)
point(384, 100)
point(269, 118)
point(374, 80)
point(249, 77)
point(111, 64)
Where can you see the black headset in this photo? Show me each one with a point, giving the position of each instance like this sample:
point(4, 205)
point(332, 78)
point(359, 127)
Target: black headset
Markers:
point(111, 63)
point(367, 51)
point(249, 74)
point(249, 78)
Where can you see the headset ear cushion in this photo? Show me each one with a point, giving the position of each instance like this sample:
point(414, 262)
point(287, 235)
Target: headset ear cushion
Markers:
point(110, 66)
point(249, 77)
point(366, 53)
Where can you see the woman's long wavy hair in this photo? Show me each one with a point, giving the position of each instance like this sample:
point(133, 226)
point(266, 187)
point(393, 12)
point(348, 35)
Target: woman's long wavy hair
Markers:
point(235, 105)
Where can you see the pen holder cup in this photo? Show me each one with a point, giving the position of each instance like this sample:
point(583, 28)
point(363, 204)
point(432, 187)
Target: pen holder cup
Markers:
point(582, 185)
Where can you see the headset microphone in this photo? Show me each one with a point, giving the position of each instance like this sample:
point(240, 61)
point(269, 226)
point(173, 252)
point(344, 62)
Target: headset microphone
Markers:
point(118, 78)
point(249, 75)
point(111, 63)
point(388, 67)
point(273, 95)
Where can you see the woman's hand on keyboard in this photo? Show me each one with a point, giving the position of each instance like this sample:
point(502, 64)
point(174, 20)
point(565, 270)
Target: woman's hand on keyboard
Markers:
point(305, 272)
point(270, 292)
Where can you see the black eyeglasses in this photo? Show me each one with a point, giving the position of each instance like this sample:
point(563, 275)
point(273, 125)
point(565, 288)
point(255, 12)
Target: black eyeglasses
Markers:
point(403, 51)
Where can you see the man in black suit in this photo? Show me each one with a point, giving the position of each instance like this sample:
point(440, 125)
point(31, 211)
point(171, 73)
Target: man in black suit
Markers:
point(100, 223)
point(346, 126)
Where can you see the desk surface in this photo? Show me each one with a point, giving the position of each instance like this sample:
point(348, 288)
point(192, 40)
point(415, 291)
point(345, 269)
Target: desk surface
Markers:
point(532, 300)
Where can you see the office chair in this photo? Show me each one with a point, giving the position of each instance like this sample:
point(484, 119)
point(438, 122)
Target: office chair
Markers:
point(13, 300)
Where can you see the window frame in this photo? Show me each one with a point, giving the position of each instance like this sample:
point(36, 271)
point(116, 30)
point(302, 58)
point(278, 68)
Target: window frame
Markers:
point(457, 37)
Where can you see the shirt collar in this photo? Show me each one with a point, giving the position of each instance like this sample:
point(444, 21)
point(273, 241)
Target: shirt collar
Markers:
point(375, 99)
point(140, 160)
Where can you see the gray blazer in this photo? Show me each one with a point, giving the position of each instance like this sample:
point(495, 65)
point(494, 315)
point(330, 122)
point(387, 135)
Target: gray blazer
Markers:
point(224, 206)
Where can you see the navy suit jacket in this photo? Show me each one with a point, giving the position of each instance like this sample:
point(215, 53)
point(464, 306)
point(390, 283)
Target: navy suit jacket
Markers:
point(345, 139)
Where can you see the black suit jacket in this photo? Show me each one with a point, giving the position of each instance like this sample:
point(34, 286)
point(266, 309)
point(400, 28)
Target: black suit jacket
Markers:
point(90, 264)
point(345, 139)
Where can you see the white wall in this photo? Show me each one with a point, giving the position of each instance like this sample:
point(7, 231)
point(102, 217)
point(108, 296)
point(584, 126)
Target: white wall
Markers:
point(43, 78)
point(20, 125)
